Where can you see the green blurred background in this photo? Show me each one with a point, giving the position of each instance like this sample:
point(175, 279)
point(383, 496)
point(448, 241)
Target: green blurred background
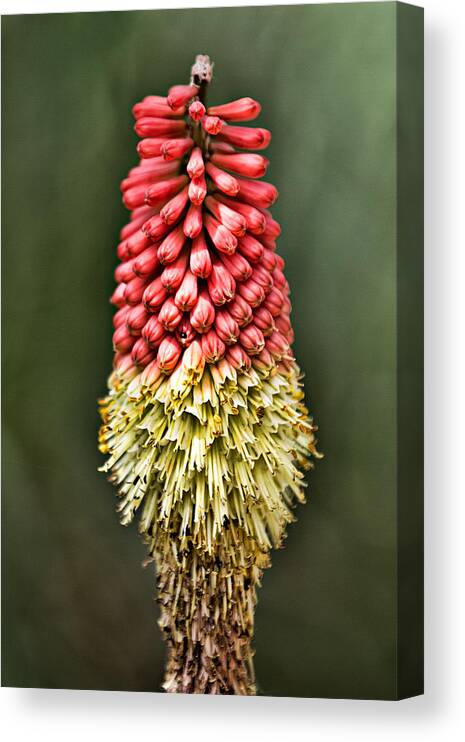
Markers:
point(77, 607)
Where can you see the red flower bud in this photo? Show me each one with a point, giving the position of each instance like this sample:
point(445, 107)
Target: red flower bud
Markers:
point(185, 333)
point(203, 314)
point(252, 340)
point(250, 165)
point(264, 321)
point(226, 183)
point(168, 354)
point(124, 272)
point(150, 147)
point(134, 290)
point(238, 266)
point(172, 210)
point(243, 109)
point(155, 105)
point(251, 292)
point(196, 110)
point(268, 260)
point(233, 221)
point(197, 190)
point(222, 148)
point(264, 361)
point(278, 279)
point(250, 248)
point(137, 243)
point(272, 229)
point(117, 297)
point(149, 126)
point(155, 227)
point(193, 222)
point(263, 277)
point(255, 220)
point(147, 262)
point(172, 245)
point(119, 318)
point(226, 327)
point(283, 325)
point(257, 193)
point(196, 166)
point(180, 95)
point(221, 285)
point(170, 316)
point(221, 237)
point(200, 260)
point(136, 319)
point(173, 274)
point(238, 358)
point(212, 124)
point(240, 310)
point(165, 189)
point(277, 345)
point(186, 295)
point(153, 331)
point(245, 137)
point(122, 339)
point(154, 295)
point(212, 347)
point(172, 149)
point(274, 302)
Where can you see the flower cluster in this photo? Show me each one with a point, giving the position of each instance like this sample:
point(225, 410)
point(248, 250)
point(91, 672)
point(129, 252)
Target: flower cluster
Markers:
point(205, 422)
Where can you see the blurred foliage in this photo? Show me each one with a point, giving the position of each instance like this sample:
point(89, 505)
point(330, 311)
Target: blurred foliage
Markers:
point(77, 608)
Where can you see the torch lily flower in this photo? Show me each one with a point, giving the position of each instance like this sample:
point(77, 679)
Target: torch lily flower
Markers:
point(204, 425)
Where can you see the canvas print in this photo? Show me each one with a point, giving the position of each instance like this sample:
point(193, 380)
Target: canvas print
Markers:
point(212, 224)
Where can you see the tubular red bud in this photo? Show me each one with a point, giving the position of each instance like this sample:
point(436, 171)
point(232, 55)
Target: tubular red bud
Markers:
point(185, 333)
point(172, 245)
point(225, 182)
point(251, 292)
point(246, 137)
point(263, 277)
point(203, 314)
point(221, 237)
point(268, 260)
point(124, 272)
point(213, 347)
point(170, 316)
point(277, 345)
point(136, 319)
point(272, 229)
point(122, 339)
point(238, 358)
point(153, 331)
point(193, 222)
point(252, 340)
point(221, 285)
point(240, 310)
point(226, 327)
point(250, 248)
point(278, 279)
point(155, 106)
point(173, 274)
point(196, 166)
point(264, 321)
point(180, 95)
point(150, 147)
point(174, 148)
point(200, 260)
point(154, 295)
point(137, 243)
point(134, 290)
point(173, 210)
point(165, 189)
point(238, 266)
point(119, 318)
point(255, 220)
point(243, 109)
point(155, 228)
point(250, 165)
point(147, 262)
point(283, 325)
point(168, 354)
point(232, 220)
point(117, 297)
point(257, 193)
point(149, 126)
point(197, 190)
point(212, 124)
point(186, 295)
point(134, 197)
point(221, 147)
point(274, 302)
point(196, 110)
